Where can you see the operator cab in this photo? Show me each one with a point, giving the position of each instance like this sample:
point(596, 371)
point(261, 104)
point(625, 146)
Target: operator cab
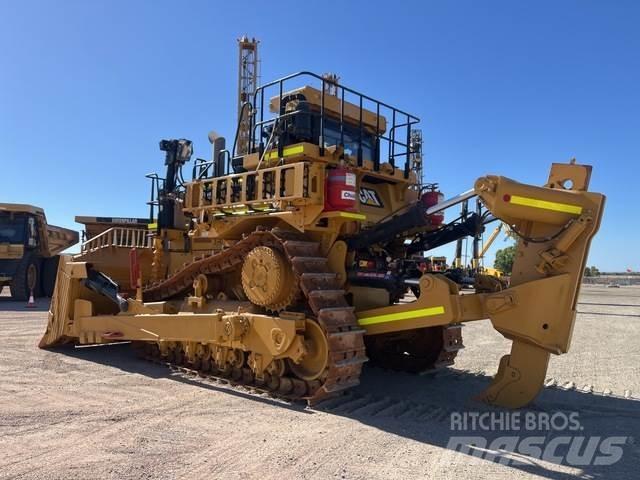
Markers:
point(324, 119)
point(300, 120)
point(12, 228)
point(321, 146)
point(19, 227)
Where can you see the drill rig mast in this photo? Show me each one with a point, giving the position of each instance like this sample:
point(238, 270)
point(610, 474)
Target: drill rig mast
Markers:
point(247, 84)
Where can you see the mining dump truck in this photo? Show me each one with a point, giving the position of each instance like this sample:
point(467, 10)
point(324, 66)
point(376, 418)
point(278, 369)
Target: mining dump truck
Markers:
point(29, 250)
point(283, 262)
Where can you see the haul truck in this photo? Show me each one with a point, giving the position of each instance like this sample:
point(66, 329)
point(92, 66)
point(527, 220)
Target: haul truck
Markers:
point(29, 250)
point(280, 263)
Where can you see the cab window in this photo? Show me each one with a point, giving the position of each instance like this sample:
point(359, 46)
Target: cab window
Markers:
point(12, 229)
point(351, 137)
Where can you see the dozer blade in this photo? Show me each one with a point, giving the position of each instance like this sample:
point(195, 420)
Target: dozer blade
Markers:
point(520, 377)
point(74, 282)
point(60, 310)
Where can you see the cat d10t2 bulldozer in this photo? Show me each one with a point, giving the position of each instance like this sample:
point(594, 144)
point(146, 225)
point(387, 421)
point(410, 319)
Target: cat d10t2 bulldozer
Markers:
point(282, 265)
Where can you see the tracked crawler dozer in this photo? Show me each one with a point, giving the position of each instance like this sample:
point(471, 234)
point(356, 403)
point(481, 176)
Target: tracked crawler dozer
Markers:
point(288, 266)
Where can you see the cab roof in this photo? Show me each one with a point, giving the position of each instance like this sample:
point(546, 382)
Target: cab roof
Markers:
point(332, 104)
point(21, 208)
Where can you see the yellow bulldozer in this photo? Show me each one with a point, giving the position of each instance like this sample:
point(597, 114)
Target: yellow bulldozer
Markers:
point(285, 262)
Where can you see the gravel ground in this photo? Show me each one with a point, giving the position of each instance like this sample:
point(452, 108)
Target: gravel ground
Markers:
point(99, 412)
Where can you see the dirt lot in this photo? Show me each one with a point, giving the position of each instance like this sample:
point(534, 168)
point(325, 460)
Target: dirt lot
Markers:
point(101, 413)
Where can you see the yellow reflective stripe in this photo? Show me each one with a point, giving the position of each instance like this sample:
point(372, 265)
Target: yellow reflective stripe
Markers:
point(546, 205)
point(287, 151)
point(293, 150)
point(356, 216)
point(392, 317)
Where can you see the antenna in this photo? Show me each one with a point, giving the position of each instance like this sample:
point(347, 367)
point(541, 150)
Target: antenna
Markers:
point(415, 148)
point(247, 84)
point(331, 83)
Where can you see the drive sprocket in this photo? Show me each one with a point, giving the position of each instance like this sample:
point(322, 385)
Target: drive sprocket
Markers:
point(268, 279)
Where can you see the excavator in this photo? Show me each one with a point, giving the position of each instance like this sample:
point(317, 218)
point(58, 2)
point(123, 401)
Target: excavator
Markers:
point(283, 263)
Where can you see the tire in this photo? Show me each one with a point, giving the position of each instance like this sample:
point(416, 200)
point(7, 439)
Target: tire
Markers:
point(49, 273)
point(26, 279)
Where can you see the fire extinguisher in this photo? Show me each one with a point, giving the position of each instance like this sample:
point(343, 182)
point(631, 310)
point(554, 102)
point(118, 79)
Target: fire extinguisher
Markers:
point(340, 189)
point(432, 196)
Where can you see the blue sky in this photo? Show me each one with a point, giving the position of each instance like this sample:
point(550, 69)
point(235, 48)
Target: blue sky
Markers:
point(87, 89)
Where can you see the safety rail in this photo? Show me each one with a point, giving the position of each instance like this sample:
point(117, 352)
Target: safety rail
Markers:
point(118, 237)
point(206, 168)
point(157, 185)
point(398, 139)
point(264, 186)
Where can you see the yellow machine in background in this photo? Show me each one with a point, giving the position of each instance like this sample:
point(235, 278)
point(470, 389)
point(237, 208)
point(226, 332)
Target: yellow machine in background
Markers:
point(29, 250)
point(108, 243)
point(281, 265)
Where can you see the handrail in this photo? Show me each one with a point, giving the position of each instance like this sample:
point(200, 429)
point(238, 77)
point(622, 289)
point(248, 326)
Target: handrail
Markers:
point(266, 185)
point(157, 184)
point(118, 237)
point(400, 120)
point(324, 80)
